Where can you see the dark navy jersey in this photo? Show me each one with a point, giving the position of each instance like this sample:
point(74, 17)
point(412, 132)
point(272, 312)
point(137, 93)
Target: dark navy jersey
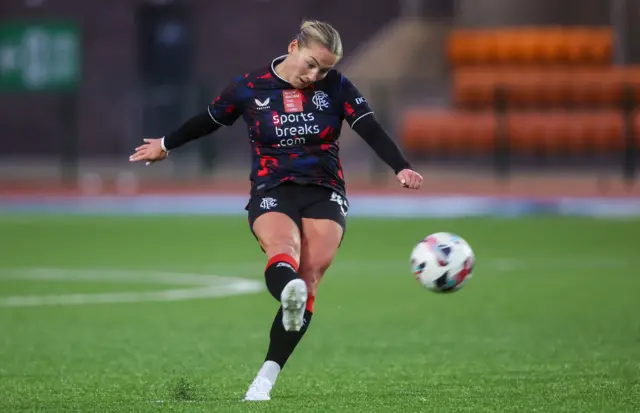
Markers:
point(293, 132)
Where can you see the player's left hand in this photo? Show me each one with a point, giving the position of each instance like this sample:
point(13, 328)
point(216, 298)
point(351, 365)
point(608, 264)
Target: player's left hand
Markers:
point(409, 179)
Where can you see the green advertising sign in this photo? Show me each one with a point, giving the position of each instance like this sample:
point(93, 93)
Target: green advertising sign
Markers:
point(39, 56)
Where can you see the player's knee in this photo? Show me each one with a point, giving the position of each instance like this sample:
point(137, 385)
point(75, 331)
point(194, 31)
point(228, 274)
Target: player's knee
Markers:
point(281, 244)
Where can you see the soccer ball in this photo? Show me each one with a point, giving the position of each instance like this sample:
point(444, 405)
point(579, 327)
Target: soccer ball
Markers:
point(442, 262)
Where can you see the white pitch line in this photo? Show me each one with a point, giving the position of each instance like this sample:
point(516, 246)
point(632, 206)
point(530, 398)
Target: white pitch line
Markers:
point(117, 276)
point(205, 286)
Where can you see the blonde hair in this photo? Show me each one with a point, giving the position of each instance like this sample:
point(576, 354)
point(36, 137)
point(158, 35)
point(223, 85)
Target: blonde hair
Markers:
point(320, 32)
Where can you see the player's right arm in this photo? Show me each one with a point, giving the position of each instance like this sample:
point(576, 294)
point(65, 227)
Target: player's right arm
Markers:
point(223, 111)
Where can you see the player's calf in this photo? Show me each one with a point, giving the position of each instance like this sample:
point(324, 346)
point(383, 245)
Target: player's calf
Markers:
point(281, 270)
point(286, 286)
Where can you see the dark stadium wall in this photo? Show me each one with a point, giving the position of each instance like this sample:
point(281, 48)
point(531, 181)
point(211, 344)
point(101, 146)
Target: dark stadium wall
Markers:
point(228, 38)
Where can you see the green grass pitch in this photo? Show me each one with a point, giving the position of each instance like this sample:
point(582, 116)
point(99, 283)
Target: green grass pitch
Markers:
point(548, 323)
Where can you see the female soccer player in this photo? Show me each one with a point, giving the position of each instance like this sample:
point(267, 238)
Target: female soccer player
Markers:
point(294, 109)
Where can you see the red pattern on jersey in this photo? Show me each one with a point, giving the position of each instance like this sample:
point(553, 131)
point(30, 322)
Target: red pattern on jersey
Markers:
point(348, 109)
point(325, 132)
point(264, 165)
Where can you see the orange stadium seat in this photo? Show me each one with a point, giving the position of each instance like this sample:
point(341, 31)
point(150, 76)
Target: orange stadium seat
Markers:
point(548, 45)
point(443, 131)
point(635, 124)
point(529, 133)
point(526, 132)
point(605, 132)
point(563, 95)
point(599, 45)
point(530, 46)
point(631, 78)
point(576, 46)
point(458, 47)
point(570, 132)
point(545, 87)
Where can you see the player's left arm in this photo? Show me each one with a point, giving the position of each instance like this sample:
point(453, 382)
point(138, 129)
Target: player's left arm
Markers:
point(362, 120)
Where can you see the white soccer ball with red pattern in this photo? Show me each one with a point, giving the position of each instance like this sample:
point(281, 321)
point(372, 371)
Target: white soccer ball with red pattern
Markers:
point(442, 262)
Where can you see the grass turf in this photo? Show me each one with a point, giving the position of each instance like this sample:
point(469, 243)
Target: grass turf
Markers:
point(549, 322)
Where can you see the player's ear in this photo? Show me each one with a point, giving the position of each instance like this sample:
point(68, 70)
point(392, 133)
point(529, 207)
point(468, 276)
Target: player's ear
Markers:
point(293, 46)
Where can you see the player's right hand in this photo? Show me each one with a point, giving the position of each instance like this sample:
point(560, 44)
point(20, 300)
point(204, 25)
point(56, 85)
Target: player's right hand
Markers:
point(150, 151)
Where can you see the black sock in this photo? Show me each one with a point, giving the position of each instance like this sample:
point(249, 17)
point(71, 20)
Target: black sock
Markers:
point(280, 270)
point(282, 343)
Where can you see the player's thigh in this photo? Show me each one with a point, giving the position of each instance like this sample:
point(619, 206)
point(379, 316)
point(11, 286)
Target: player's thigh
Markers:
point(277, 233)
point(324, 221)
point(321, 240)
point(275, 222)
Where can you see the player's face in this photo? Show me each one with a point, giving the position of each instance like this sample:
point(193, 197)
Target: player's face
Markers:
point(309, 64)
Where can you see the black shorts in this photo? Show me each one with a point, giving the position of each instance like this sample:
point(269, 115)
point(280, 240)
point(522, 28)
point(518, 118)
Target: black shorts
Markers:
point(299, 201)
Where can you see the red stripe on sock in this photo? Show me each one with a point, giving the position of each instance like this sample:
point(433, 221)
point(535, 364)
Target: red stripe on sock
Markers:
point(310, 300)
point(283, 258)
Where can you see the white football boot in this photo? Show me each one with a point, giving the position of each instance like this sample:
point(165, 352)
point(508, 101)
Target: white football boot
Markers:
point(259, 390)
point(294, 301)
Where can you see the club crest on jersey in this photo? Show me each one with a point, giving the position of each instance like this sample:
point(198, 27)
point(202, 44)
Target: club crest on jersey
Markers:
point(321, 100)
point(262, 104)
